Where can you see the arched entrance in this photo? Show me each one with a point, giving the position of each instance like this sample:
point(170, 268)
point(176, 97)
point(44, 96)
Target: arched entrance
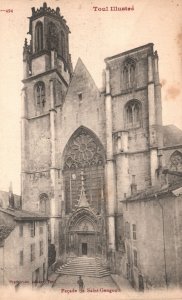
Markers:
point(83, 236)
point(83, 176)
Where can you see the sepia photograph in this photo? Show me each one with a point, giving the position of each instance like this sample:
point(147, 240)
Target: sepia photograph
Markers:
point(91, 149)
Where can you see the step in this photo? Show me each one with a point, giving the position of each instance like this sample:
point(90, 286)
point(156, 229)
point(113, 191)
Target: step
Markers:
point(85, 266)
point(85, 274)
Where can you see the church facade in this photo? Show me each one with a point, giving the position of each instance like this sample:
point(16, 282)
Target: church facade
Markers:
point(87, 151)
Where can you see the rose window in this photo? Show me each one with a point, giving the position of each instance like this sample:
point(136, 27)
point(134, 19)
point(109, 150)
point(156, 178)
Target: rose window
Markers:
point(83, 151)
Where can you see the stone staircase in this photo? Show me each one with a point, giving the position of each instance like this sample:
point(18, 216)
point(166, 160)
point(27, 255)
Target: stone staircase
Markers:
point(84, 266)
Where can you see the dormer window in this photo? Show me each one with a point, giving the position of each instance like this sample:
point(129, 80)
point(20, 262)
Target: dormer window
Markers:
point(133, 114)
point(128, 73)
point(40, 93)
point(38, 37)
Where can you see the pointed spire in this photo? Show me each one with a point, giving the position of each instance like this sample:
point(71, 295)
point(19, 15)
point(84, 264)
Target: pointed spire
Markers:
point(10, 187)
point(11, 196)
point(26, 51)
point(58, 11)
point(25, 43)
point(83, 202)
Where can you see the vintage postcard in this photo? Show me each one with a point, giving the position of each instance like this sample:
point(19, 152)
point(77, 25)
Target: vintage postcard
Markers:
point(91, 149)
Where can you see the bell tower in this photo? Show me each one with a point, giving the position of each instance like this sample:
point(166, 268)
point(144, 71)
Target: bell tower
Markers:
point(49, 44)
point(47, 70)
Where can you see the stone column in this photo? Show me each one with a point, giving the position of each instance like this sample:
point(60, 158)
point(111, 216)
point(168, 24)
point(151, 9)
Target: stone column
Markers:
point(110, 175)
point(122, 167)
point(124, 141)
point(25, 69)
point(151, 95)
point(177, 235)
point(158, 101)
point(124, 175)
point(24, 139)
point(53, 59)
point(25, 60)
point(152, 121)
point(53, 161)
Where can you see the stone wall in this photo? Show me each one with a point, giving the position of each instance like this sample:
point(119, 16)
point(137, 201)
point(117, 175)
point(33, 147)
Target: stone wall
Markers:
point(158, 241)
point(12, 247)
point(83, 106)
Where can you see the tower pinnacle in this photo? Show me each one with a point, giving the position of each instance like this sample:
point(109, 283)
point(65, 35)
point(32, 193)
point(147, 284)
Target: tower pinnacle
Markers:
point(83, 202)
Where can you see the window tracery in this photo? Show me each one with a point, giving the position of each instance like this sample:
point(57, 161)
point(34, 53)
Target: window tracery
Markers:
point(83, 151)
point(44, 204)
point(38, 37)
point(133, 114)
point(40, 93)
point(52, 36)
point(176, 161)
point(129, 73)
point(63, 44)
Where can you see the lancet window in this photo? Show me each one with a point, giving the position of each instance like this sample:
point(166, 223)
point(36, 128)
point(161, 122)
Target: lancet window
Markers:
point(133, 114)
point(40, 93)
point(38, 37)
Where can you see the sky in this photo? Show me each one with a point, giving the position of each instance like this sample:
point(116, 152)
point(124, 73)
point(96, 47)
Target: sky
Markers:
point(95, 35)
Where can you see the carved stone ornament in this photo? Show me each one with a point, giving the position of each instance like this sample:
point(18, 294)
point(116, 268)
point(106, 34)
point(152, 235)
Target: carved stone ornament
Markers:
point(176, 161)
point(83, 151)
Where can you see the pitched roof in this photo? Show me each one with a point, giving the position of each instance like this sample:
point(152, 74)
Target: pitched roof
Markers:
point(81, 70)
point(23, 215)
point(172, 135)
point(5, 230)
point(153, 192)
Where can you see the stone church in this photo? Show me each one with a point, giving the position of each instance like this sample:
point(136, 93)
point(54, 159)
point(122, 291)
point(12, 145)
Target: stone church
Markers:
point(92, 158)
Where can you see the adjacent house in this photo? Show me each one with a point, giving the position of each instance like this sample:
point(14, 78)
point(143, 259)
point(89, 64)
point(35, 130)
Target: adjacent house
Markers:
point(23, 247)
point(153, 240)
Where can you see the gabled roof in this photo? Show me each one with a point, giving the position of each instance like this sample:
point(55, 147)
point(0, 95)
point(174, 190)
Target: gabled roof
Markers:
point(23, 215)
point(81, 83)
point(80, 69)
point(5, 230)
point(154, 192)
point(172, 135)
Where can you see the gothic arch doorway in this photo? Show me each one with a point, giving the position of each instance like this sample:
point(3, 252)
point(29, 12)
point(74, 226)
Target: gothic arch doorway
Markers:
point(83, 177)
point(83, 233)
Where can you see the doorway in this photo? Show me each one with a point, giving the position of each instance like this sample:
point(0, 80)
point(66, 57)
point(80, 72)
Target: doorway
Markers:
point(141, 283)
point(84, 248)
